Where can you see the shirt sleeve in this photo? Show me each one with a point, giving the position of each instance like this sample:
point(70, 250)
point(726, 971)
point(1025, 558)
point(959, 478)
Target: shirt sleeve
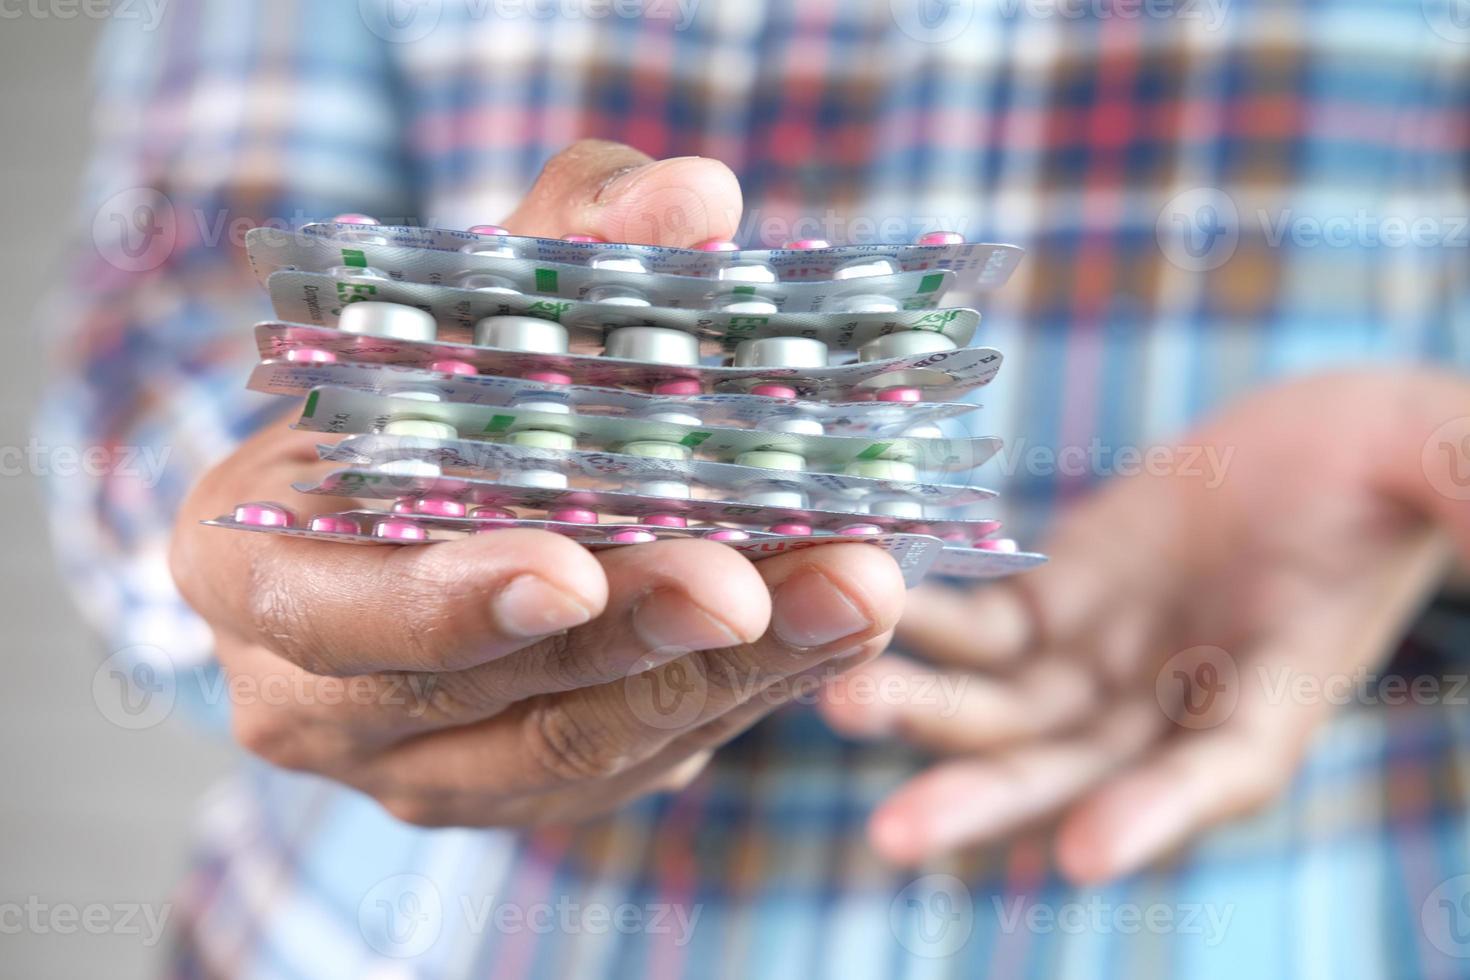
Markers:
point(219, 116)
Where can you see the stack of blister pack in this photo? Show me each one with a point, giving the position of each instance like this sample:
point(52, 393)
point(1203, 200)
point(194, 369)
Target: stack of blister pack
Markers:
point(618, 394)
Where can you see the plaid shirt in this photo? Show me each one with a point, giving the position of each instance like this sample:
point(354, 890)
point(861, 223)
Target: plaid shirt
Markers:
point(1213, 193)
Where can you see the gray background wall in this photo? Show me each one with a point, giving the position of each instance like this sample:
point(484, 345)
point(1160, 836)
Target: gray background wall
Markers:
point(89, 813)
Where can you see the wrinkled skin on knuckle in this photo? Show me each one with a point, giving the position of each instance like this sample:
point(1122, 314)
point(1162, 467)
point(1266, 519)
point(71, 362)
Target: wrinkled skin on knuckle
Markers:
point(572, 746)
point(268, 735)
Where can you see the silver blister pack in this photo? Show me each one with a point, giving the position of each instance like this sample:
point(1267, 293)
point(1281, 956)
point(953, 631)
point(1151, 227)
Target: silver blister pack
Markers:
point(732, 410)
point(979, 265)
point(939, 375)
point(318, 298)
point(270, 252)
point(342, 411)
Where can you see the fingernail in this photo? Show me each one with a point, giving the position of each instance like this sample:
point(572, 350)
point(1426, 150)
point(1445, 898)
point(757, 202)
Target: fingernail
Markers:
point(530, 606)
point(671, 625)
point(810, 611)
point(617, 181)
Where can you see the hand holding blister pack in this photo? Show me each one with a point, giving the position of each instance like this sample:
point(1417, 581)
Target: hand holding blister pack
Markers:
point(616, 394)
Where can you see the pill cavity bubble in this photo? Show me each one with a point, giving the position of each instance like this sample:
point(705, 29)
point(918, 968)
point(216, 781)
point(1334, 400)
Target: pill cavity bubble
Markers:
point(865, 267)
point(747, 272)
point(656, 345)
point(334, 524)
point(451, 366)
point(353, 218)
point(904, 343)
point(807, 244)
point(862, 303)
point(883, 469)
point(399, 529)
point(493, 250)
point(1004, 546)
point(860, 529)
point(717, 245)
point(634, 536)
point(310, 355)
point(361, 232)
point(435, 506)
point(543, 476)
point(791, 529)
point(617, 262)
point(940, 238)
point(488, 230)
point(490, 512)
point(772, 459)
point(487, 282)
point(393, 320)
point(727, 534)
point(357, 273)
point(264, 514)
point(904, 507)
point(775, 495)
point(617, 295)
point(573, 515)
point(744, 304)
point(783, 352)
point(584, 239)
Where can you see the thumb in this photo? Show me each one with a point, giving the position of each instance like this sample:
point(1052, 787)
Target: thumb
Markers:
point(615, 193)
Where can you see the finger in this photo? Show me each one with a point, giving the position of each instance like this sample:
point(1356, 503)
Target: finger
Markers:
point(614, 192)
point(1208, 776)
point(1112, 551)
point(948, 711)
point(666, 599)
point(826, 601)
point(972, 800)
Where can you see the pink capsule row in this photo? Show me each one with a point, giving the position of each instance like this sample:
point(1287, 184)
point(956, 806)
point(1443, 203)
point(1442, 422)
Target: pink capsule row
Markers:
point(400, 526)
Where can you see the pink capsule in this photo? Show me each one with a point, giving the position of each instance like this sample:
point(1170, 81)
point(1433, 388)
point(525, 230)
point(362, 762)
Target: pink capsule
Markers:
point(310, 355)
point(439, 507)
point(717, 245)
point(397, 529)
point(955, 537)
point(665, 520)
point(487, 230)
point(677, 386)
point(452, 366)
point(774, 390)
point(807, 243)
point(404, 505)
point(549, 377)
point(634, 536)
point(496, 513)
point(264, 514)
point(334, 524)
point(573, 515)
point(900, 395)
point(728, 534)
point(1001, 545)
point(940, 238)
point(584, 239)
point(860, 529)
point(353, 218)
point(791, 528)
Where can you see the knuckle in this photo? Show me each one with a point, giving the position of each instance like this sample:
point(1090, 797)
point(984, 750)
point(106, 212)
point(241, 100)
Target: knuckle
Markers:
point(560, 663)
point(729, 675)
point(571, 746)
